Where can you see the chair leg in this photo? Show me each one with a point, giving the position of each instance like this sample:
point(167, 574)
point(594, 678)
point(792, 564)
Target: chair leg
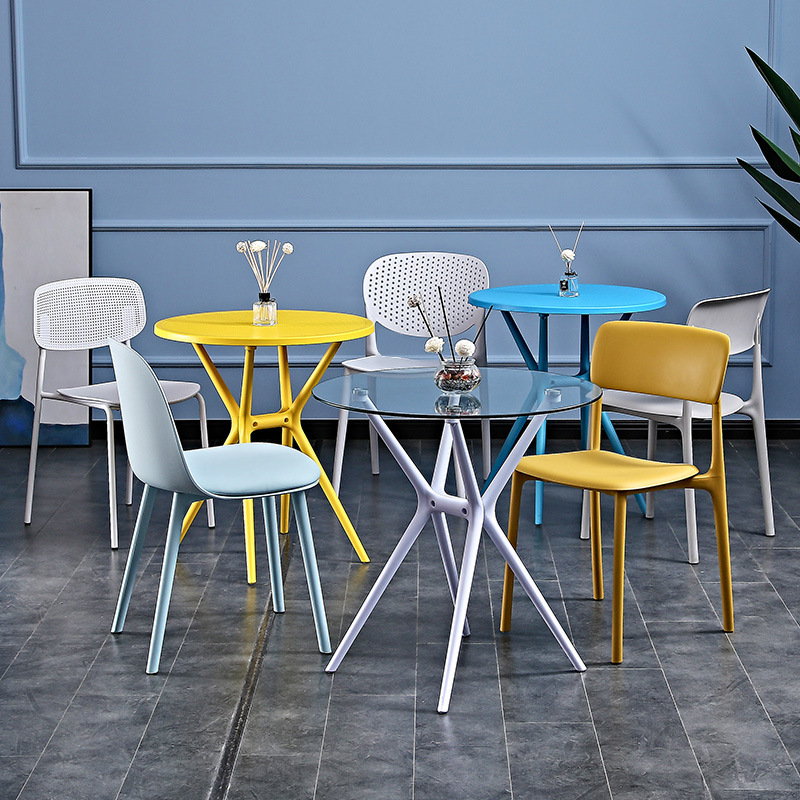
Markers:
point(129, 485)
point(112, 478)
point(652, 445)
point(180, 505)
point(374, 451)
point(201, 405)
point(688, 494)
point(517, 482)
point(760, 431)
point(274, 553)
point(312, 572)
point(132, 565)
point(338, 452)
point(719, 499)
point(486, 447)
point(37, 418)
point(618, 591)
point(597, 545)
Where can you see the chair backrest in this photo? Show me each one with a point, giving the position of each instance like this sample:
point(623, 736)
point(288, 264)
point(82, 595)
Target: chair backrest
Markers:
point(84, 313)
point(391, 280)
point(151, 439)
point(661, 359)
point(739, 316)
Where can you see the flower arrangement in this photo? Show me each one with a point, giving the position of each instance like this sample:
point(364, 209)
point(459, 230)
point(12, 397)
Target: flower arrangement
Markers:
point(263, 259)
point(459, 374)
point(568, 255)
point(463, 348)
point(568, 285)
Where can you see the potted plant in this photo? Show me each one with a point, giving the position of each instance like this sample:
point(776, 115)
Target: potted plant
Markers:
point(783, 165)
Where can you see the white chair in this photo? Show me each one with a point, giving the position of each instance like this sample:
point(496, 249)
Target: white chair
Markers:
point(738, 316)
point(388, 283)
point(84, 314)
point(230, 472)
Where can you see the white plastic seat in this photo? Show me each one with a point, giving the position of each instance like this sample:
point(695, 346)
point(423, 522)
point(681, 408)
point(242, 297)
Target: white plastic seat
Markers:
point(84, 314)
point(388, 283)
point(230, 472)
point(738, 316)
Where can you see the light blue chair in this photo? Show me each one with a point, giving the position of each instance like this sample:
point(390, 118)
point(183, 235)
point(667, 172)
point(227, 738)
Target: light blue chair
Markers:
point(230, 472)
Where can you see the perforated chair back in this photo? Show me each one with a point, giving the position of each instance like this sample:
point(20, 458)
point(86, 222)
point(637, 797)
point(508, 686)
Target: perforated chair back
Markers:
point(738, 316)
point(391, 279)
point(84, 313)
point(657, 358)
point(151, 439)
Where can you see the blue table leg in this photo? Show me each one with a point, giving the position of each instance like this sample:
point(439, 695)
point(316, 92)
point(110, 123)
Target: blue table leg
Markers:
point(541, 436)
point(542, 364)
point(521, 422)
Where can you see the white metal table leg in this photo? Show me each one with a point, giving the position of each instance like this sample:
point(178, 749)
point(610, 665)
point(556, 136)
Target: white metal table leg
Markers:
point(479, 511)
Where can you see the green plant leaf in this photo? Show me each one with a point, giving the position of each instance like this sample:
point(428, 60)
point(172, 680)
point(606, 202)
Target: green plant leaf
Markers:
point(773, 189)
point(791, 227)
point(785, 94)
point(782, 163)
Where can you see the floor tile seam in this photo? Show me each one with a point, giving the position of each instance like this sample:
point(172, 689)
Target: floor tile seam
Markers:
point(229, 753)
point(332, 682)
point(38, 624)
point(582, 676)
point(497, 670)
point(63, 715)
point(752, 683)
point(169, 672)
point(663, 673)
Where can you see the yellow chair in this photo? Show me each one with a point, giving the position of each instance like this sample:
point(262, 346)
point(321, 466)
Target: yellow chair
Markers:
point(652, 358)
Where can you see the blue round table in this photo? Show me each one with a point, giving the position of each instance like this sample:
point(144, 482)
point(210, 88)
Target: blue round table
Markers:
point(543, 299)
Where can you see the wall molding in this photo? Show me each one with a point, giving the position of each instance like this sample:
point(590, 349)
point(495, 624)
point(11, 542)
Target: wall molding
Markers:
point(415, 226)
point(24, 160)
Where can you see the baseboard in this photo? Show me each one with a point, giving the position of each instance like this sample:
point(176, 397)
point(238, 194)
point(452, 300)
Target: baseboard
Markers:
point(431, 429)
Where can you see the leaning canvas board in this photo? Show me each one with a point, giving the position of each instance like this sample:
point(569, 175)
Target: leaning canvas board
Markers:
point(45, 235)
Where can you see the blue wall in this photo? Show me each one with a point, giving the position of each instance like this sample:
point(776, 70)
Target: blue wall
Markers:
point(355, 129)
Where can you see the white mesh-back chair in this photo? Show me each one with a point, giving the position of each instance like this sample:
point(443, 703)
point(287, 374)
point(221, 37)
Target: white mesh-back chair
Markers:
point(388, 283)
point(738, 316)
point(83, 314)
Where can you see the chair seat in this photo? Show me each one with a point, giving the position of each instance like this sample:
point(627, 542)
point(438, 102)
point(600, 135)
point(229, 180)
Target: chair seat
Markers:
point(604, 471)
point(176, 392)
point(376, 363)
point(248, 470)
point(652, 406)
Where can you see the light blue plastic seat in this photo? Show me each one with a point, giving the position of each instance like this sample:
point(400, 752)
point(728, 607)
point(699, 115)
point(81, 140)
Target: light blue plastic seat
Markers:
point(230, 472)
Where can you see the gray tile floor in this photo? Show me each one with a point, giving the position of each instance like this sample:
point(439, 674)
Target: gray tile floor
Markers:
point(242, 708)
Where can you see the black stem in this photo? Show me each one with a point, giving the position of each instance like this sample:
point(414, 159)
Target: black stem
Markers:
point(446, 326)
point(480, 329)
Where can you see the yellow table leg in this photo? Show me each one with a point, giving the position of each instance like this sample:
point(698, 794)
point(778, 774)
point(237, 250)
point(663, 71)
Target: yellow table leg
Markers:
point(233, 409)
point(246, 426)
point(292, 421)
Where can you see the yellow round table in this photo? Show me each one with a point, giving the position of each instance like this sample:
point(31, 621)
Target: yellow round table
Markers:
point(235, 328)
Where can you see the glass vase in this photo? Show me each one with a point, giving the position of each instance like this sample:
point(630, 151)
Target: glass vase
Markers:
point(265, 311)
point(458, 376)
point(568, 285)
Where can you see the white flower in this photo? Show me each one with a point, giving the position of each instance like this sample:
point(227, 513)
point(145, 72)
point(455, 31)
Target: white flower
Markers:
point(464, 348)
point(288, 248)
point(434, 345)
point(568, 256)
point(241, 247)
point(257, 246)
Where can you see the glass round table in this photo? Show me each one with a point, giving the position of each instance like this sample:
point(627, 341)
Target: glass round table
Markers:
point(504, 392)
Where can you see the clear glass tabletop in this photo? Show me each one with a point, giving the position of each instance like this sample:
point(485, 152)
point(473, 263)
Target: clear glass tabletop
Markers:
point(502, 392)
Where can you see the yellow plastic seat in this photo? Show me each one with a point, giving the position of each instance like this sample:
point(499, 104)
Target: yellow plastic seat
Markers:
point(654, 358)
